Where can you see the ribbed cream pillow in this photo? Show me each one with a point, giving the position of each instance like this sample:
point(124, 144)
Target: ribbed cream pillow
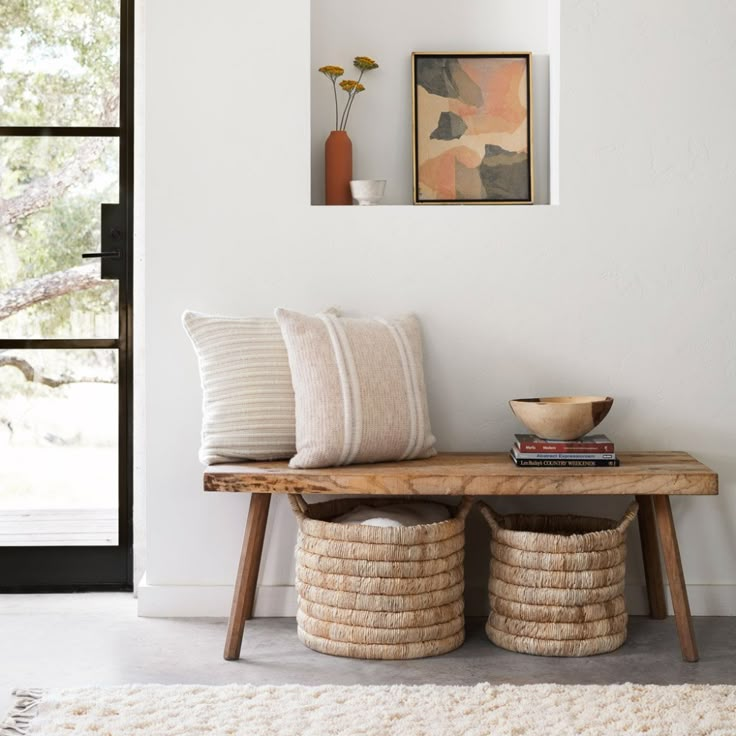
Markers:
point(247, 401)
point(359, 389)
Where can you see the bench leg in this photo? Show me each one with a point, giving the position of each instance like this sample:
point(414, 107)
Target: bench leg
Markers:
point(245, 583)
point(678, 591)
point(650, 554)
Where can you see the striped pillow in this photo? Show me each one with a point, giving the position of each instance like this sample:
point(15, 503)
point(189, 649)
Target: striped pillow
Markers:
point(359, 389)
point(248, 401)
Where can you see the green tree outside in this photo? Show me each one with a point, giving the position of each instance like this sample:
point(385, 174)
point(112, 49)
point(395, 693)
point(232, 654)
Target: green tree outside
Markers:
point(59, 66)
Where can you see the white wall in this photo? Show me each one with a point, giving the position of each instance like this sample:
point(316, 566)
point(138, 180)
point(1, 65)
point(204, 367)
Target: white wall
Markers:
point(380, 123)
point(139, 295)
point(627, 288)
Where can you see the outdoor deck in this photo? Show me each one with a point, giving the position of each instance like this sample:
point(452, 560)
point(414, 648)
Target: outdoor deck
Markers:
point(58, 527)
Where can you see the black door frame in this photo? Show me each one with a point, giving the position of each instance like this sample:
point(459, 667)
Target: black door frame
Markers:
point(59, 569)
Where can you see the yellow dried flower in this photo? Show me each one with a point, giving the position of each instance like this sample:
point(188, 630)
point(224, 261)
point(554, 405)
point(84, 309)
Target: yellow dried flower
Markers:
point(364, 63)
point(351, 86)
point(333, 72)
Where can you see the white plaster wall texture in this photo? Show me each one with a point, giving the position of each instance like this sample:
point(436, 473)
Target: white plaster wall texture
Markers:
point(627, 288)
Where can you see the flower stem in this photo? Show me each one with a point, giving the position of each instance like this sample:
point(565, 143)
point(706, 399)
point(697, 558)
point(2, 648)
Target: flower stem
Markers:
point(349, 103)
point(343, 120)
point(348, 108)
point(342, 117)
point(334, 90)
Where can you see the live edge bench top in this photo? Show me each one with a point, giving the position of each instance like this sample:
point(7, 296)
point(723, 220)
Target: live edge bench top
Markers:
point(474, 474)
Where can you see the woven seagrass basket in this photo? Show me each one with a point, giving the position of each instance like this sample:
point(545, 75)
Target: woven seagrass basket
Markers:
point(379, 592)
point(556, 586)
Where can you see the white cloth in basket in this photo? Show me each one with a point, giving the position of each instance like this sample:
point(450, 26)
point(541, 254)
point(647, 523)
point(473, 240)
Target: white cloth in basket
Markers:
point(400, 514)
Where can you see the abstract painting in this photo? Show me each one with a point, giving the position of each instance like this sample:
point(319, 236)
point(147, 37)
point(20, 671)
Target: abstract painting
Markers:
point(472, 128)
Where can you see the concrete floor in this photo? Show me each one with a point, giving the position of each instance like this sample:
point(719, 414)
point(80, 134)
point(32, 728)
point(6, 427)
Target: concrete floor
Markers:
point(97, 639)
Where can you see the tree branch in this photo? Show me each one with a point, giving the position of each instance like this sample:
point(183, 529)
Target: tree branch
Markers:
point(33, 376)
point(49, 286)
point(43, 191)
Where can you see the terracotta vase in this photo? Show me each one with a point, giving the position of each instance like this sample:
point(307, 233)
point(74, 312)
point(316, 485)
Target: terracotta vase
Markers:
point(338, 168)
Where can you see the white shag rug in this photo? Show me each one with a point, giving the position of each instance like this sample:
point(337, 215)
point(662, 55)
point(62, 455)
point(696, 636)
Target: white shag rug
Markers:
point(399, 710)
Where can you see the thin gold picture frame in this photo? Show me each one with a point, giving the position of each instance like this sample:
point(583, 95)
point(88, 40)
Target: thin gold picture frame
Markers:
point(527, 56)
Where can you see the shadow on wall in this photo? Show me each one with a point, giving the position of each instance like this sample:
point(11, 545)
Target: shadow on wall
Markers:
point(725, 466)
point(278, 555)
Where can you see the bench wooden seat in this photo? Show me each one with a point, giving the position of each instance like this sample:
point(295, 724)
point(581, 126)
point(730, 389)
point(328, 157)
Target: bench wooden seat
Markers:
point(650, 476)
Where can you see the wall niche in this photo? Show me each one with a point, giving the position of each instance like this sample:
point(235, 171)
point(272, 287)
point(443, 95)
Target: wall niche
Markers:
point(380, 124)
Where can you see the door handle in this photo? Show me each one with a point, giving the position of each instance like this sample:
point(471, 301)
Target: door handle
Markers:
point(114, 243)
point(103, 254)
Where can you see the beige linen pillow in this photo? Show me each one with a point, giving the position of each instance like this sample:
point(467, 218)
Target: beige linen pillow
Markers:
point(359, 389)
point(247, 398)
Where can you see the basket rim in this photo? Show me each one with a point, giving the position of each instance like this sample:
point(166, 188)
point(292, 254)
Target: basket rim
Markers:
point(614, 534)
point(459, 513)
point(409, 550)
point(612, 523)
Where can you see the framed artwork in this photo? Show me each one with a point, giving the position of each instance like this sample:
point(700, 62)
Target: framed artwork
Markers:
point(472, 128)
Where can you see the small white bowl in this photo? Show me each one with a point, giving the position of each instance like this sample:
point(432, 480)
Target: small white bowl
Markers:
point(368, 191)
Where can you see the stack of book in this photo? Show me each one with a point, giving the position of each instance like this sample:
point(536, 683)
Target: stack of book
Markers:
point(591, 451)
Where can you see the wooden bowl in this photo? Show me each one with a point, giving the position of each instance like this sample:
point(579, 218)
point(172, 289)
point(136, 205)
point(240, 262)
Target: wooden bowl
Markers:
point(561, 417)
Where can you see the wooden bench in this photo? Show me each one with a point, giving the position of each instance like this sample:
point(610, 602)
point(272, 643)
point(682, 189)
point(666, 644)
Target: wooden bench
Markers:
point(652, 477)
